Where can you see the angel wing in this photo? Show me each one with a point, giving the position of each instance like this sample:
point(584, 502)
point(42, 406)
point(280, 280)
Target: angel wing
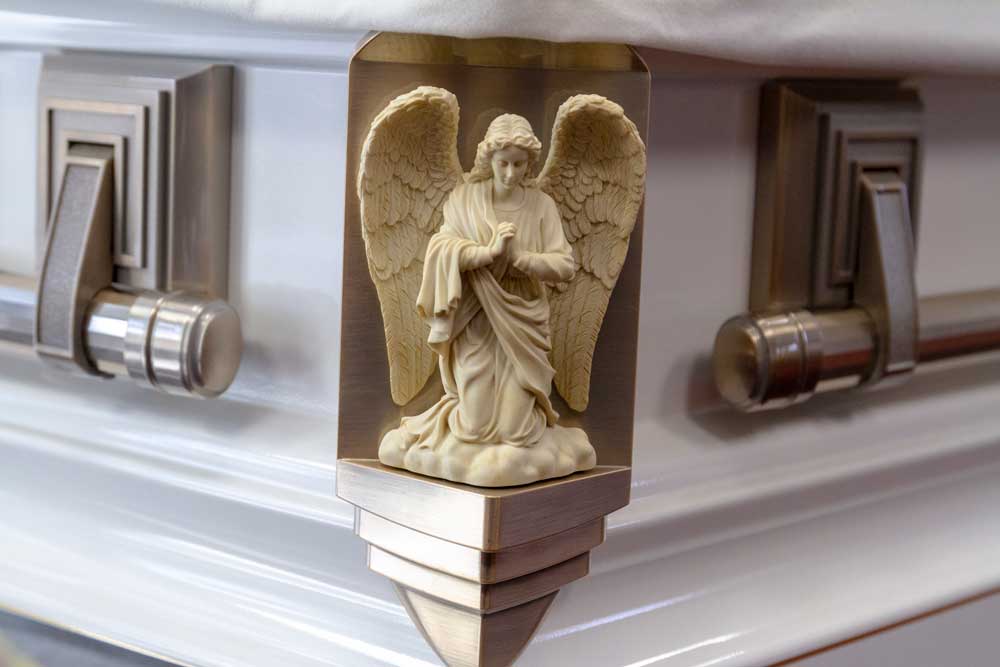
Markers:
point(409, 164)
point(595, 171)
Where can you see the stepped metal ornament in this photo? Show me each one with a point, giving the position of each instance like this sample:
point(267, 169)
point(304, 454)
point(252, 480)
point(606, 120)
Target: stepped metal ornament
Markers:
point(477, 568)
point(483, 502)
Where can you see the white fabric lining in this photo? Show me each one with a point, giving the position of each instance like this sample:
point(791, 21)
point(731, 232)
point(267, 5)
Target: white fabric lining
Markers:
point(895, 34)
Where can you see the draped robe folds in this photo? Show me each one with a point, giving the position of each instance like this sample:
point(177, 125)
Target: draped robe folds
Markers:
point(489, 325)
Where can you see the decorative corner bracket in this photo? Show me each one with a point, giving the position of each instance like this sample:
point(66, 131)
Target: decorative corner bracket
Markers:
point(476, 567)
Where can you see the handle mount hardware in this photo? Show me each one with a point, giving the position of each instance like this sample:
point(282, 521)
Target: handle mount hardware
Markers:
point(834, 242)
point(133, 200)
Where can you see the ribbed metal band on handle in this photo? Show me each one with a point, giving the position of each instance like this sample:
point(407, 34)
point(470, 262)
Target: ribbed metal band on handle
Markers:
point(138, 330)
point(194, 345)
point(182, 343)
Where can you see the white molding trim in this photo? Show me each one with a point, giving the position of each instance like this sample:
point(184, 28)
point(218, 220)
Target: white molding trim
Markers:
point(164, 559)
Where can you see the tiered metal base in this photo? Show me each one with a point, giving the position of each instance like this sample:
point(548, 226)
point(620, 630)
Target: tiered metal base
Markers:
point(478, 568)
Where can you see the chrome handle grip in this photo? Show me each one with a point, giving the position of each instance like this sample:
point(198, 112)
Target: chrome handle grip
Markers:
point(179, 343)
point(771, 361)
point(768, 362)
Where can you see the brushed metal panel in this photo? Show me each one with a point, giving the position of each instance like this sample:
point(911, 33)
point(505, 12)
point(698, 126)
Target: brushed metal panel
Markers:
point(484, 598)
point(488, 519)
point(473, 564)
point(810, 134)
point(173, 118)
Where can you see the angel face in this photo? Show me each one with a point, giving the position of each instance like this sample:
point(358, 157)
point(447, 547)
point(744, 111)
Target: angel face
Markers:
point(509, 167)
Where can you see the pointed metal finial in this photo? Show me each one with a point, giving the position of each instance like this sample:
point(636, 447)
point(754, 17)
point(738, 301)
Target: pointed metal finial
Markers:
point(465, 638)
point(478, 568)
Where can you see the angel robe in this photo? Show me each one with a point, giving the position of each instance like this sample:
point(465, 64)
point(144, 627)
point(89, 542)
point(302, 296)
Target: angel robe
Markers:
point(489, 320)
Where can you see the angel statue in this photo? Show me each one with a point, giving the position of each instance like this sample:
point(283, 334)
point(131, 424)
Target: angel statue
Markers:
point(501, 279)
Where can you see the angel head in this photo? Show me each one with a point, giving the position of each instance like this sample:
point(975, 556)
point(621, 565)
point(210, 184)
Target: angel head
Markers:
point(507, 153)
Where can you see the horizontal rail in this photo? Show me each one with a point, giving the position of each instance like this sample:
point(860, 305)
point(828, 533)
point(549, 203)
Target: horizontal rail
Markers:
point(771, 361)
point(180, 343)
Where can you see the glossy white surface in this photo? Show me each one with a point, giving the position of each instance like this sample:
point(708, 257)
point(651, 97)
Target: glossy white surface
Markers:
point(208, 532)
point(954, 637)
point(18, 122)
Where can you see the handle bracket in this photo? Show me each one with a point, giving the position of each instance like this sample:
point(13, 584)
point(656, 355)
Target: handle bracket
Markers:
point(133, 196)
point(884, 284)
point(834, 232)
point(77, 262)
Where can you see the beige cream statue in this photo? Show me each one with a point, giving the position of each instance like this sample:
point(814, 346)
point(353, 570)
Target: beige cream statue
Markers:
point(500, 278)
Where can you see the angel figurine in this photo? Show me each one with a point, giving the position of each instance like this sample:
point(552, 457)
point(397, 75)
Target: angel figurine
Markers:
point(501, 279)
